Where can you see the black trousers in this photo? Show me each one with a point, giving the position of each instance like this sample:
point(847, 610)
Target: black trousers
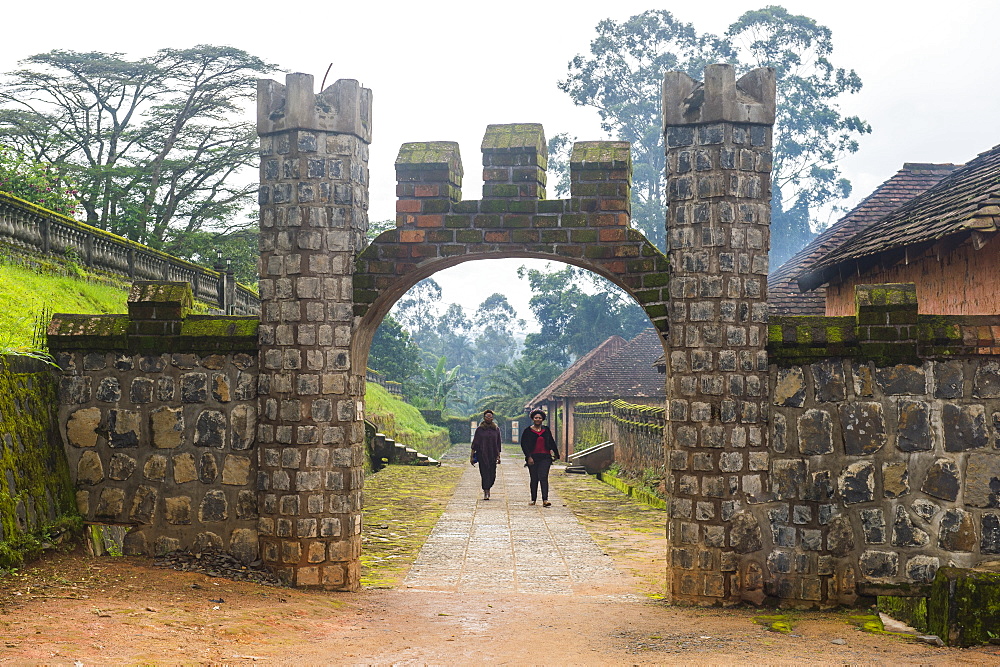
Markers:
point(488, 473)
point(539, 473)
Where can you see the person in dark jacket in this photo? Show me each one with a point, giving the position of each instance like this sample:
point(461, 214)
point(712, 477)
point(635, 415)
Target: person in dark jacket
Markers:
point(540, 451)
point(486, 450)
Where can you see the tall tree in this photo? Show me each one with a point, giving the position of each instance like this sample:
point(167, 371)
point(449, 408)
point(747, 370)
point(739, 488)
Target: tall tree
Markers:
point(574, 320)
point(157, 144)
point(621, 78)
point(418, 309)
point(393, 353)
point(36, 182)
point(495, 322)
point(810, 134)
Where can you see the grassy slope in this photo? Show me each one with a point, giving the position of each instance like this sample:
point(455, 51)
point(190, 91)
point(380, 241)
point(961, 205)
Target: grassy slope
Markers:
point(24, 294)
point(403, 422)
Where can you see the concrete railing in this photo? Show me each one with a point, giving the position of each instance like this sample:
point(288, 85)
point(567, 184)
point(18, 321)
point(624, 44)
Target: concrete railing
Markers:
point(36, 229)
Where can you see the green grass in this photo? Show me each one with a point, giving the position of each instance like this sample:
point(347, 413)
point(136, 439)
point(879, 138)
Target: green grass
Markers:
point(402, 504)
point(403, 423)
point(26, 293)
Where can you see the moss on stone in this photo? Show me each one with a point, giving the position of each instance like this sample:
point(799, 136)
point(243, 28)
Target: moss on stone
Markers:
point(430, 154)
point(911, 610)
point(607, 154)
point(964, 606)
point(217, 325)
point(37, 501)
point(780, 623)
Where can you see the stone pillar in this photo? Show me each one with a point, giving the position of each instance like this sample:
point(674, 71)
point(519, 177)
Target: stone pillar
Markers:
point(310, 434)
point(718, 146)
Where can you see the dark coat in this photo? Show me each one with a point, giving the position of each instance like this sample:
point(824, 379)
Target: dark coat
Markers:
point(528, 438)
point(486, 443)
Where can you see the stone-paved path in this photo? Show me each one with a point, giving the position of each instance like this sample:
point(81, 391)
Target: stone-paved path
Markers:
point(506, 545)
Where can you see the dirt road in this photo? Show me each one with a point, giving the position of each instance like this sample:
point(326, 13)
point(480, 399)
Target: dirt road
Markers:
point(73, 609)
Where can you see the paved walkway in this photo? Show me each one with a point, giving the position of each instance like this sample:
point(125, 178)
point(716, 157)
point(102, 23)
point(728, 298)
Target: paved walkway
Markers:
point(506, 545)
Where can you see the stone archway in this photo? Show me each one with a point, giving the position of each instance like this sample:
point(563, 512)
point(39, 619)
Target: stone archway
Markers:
point(436, 229)
point(324, 290)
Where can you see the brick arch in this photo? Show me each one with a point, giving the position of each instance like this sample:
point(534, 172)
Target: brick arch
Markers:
point(436, 229)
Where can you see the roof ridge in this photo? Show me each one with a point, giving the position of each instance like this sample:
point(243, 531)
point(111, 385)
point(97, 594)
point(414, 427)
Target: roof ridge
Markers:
point(946, 200)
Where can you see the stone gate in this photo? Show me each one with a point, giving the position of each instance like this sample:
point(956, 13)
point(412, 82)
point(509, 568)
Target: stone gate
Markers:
point(324, 292)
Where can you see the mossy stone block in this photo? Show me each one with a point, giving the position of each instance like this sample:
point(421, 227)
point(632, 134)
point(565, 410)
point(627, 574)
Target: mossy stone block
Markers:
point(964, 606)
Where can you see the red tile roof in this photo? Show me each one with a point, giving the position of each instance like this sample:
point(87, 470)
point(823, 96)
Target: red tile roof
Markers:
point(964, 202)
point(578, 367)
point(784, 295)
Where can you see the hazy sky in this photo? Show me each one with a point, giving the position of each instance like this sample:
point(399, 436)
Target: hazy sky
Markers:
point(445, 70)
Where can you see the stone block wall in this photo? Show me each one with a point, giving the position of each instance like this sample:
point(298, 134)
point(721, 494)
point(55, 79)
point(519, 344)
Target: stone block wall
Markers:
point(884, 458)
point(36, 493)
point(157, 412)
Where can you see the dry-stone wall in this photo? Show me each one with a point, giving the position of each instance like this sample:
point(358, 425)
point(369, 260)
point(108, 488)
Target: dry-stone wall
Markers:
point(157, 410)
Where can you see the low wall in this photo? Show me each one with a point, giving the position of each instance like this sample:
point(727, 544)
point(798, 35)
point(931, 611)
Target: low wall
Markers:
point(157, 411)
point(36, 492)
point(39, 230)
point(636, 430)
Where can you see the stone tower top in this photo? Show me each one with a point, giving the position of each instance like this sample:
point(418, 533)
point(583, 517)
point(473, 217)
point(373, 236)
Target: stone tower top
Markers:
point(344, 107)
point(719, 98)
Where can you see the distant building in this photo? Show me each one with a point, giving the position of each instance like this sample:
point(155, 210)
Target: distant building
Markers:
point(614, 369)
point(944, 241)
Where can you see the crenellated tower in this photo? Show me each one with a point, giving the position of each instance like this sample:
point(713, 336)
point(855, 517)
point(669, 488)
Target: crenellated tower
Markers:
point(718, 144)
point(313, 219)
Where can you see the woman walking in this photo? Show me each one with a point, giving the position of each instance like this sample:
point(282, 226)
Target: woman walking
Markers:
point(540, 451)
point(486, 450)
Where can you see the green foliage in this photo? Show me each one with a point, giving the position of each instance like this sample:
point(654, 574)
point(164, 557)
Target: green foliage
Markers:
point(25, 547)
point(394, 354)
point(573, 320)
point(156, 144)
point(439, 383)
point(511, 385)
point(376, 227)
point(236, 249)
point(36, 182)
point(476, 343)
point(621, 77)
point(403, 422)
point(560, 150)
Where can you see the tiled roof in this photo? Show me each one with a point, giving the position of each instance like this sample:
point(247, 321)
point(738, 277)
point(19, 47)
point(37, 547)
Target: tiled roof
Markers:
point(629, 373)
point(784, 296)
point(964, 202)
point(578, 367)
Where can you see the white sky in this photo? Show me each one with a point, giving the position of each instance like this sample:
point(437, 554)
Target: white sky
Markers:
point(445, 70)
